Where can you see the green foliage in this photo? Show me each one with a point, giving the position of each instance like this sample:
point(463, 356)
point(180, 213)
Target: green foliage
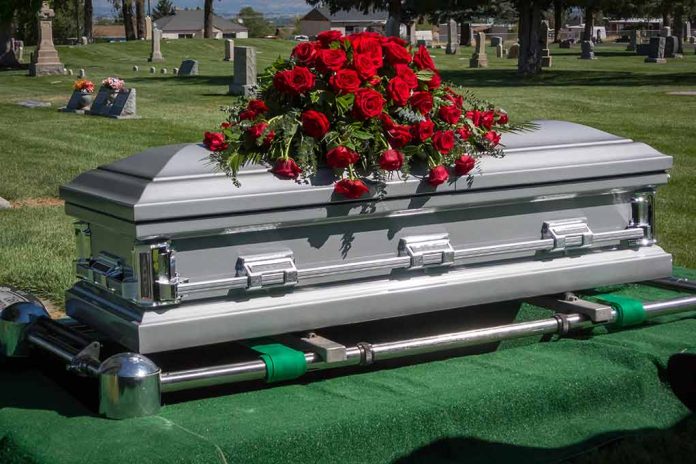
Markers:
point(163, 8)
point(255, 22)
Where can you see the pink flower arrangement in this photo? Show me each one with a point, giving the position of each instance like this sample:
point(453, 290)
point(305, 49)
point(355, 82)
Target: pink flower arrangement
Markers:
point(113, 83)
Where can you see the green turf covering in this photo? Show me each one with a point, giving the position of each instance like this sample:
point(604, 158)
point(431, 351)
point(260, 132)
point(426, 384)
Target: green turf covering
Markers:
point(538, 402)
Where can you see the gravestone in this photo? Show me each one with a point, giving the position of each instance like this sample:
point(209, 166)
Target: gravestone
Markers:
point(514, 51)
point(65, 71)
point(451, 37)
point(156, 53)
point(163, 71)
point(587, 50)
point(82, 74)
point(117, 105)
point(70, 72)
point(175, 71)
point(148, 28)
point(666, 31)
point(567, 43)
point(153, 70)
point(633, 40)
point(496, 40)
point(546, 58)
point(17, 47)
point(671, 46)
point(229, 50)
point(84, 40)
point(687, 29)
point(135, 68)
point(643, 49)
point(657, 51)
point(479, 59)
point(45, 59)
point(499, 51)
point(188, 68)
point(79, 103)
point(4, 204)
point(244, 79)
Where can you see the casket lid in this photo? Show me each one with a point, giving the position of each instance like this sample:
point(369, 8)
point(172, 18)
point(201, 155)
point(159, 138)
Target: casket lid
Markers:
point(179, 181)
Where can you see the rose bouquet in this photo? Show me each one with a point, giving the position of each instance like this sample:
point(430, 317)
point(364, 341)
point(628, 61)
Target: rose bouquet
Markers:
point(114, 83)
point(83, 86)
point(364, 105)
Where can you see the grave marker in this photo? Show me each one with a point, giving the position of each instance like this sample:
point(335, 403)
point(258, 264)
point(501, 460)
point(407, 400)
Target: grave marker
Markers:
point(229, 50)
point(633, 40)
point(188, 68)
point(479, 59)
point(156, 53)
point(244, 79)
point(587, 50)
point(657, 51)
point(496, 40)
point(546, 58)
point(44, 60)
point(114, 104)
point(514, 51)
point(499, 51)
point(452, 42)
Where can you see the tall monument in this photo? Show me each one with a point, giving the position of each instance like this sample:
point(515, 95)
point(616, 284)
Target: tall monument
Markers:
point(45, 59)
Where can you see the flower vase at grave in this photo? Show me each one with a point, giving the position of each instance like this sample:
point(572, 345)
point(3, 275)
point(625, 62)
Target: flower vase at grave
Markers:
point(85, 101)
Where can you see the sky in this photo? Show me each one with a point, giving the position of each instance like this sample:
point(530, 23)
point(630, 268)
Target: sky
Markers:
point(224, 7)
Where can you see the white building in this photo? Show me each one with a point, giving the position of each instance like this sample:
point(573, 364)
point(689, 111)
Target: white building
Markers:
point(189, 24)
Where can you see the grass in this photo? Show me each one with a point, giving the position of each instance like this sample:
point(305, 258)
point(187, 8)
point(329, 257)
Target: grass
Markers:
point(42, 148)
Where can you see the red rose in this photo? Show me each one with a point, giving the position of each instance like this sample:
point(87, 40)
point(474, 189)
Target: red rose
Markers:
point(257, 131)
point(488, 119)
point(387, 121)
point(257, 106)
point(369, 45)
point(314, 123)
point(438, 175)
point(464, 132)
point(502, 119)
point(225, 124)
point(423, 60)
point(391, 160)
point(404, 72)
point(286, 168)
point(399, 135)
point(368, 103)
point(450, 114)
point(422, 102)
point(214, 141)
point(398, 91)
point(351, 188)
point(423, 130)
point(443, 141)
point(345, 81)
point(476, 116)
point(365, 65)
point(464, 164)
point(294, 81)
point(305, 53)
point(326, 37)
point(330, 59)
point(434, 82)
point(455, 98)
point(247, 115)
point(397, 40)
point(493, 137)
point(341, 157)
point(395, 53)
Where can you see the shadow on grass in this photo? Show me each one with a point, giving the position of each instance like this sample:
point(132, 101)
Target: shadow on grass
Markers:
point(186, 80)
point(558, 78)
point(622, 446)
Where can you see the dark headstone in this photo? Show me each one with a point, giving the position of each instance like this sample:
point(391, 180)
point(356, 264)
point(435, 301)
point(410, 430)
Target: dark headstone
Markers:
point(188, 68)
point(118, 105)
point(657, 51)
point(643, 49)
point(587, 50)
point(671, 46)
point(565, 43)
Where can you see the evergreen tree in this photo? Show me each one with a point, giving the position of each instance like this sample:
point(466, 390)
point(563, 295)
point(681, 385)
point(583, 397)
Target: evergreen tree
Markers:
point(163, 8)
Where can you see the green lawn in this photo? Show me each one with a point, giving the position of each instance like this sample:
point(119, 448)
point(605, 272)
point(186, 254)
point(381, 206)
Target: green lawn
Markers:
point(42, 148)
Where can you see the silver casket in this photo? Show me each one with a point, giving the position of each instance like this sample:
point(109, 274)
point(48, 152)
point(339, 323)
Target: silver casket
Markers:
point(170, 254)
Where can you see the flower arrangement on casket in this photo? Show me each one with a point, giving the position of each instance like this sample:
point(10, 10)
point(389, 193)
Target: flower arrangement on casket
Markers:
point(83, 86)
point(365, 105)
point(113, 83)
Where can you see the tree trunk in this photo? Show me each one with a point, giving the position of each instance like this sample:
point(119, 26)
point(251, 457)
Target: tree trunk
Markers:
point(529, 60)
point(128, 19)
point(393, 28)
point(140, 18)
point(208, 19)
point(89, 12)
point(558, 10)
point(464, 34)
point(7, 55)
point(589, 23)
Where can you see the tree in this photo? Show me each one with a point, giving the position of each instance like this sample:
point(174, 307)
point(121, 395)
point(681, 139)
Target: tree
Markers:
point(88, 19)
point(140, 18)
point(127, 9)
point(208, 19)
point(529, 60)
point(558, 12)
point(9, 11)
point(255, 22)
point(163, 8)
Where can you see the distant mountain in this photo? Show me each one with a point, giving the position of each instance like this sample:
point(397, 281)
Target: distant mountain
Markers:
point(224, 7)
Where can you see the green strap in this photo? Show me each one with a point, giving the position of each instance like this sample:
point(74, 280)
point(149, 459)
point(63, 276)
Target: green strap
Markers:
point(282, 362)
point(629, 311)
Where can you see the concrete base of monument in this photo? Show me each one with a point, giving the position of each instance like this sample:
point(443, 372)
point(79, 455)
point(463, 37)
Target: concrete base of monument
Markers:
point(241, 90)
point(37, 69)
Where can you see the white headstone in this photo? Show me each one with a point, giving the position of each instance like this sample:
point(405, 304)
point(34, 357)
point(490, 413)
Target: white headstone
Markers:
point(499, 52)
point(479, 59)
point(229, 50)
point(163, 70)
point(153, 70)
point(70, 72)
point(82, 74)
point(148, 28)
point(135, 68)
point(156, 53)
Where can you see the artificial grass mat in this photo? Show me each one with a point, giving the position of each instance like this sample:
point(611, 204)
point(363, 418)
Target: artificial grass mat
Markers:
point(540, 402)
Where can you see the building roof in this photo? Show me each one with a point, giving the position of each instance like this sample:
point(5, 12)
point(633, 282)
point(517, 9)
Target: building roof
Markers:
point(192, 20)
point(354, 15)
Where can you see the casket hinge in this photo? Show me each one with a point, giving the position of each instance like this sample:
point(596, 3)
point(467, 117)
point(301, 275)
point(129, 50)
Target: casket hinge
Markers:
point(427, 250)
point(568, 234)
point(643, 215)
point(156, 269)
point(268, 269)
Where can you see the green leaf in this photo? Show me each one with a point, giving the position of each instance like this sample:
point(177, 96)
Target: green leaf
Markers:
point(425, 75)
point(362, 135)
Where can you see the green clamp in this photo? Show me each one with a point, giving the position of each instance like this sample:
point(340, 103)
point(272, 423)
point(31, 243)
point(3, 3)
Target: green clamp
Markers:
point(282, 362)
point(629, 311)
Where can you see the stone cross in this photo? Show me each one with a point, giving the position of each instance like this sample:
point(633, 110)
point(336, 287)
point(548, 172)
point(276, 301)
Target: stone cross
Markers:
point(229, 50)
point(587, 50)
point(45, 59)
point(244, 79)
point(657, 51)
point(633, 40)
point(156, 54)
point(452, 41)
point(479, 59)
point(546, 58)
point(148, 28)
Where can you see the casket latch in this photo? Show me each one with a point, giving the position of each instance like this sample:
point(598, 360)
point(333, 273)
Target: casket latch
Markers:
point(568, 233)
point(268, 269)
point(427, 250)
